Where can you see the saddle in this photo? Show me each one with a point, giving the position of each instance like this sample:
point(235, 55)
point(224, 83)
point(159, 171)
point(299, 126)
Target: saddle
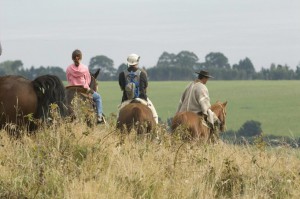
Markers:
point(82, 91)
point(78, 88)
point(139, 100)
point(204, 120)
point(135, 100)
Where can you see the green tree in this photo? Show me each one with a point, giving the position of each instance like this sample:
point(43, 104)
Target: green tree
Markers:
point(11, 67)
point(121, 68)
point(186, 59)
point(182, 59)
point(166, 60)
point(216, 60)
point(33, 73)
point(245, 65)
point(280, 72)
point(245, 69)
point(108, 72)
point(297, 72)
point(174, 67)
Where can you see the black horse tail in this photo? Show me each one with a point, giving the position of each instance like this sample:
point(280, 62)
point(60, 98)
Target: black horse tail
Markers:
point(49, 90)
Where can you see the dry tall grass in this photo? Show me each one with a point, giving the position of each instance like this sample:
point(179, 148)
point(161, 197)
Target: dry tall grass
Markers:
point(75, 161)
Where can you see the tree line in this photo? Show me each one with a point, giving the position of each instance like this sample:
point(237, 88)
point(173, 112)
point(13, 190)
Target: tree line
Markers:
point(169, 66)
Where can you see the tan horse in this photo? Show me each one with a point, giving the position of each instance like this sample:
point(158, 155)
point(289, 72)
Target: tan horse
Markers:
point(193, 126)
point(136, 115)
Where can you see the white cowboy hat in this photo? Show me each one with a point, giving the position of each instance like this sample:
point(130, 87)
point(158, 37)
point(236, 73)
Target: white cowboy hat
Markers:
point(133, 59)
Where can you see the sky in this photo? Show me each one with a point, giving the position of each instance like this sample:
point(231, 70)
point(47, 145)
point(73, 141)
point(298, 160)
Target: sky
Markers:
point(44, 33)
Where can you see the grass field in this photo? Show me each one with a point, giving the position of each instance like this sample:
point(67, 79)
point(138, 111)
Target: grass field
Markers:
point(73, 161)
point(68, 159)
point(275, 104)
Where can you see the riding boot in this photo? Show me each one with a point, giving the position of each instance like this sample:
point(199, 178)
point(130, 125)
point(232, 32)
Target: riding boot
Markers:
point(101, 119)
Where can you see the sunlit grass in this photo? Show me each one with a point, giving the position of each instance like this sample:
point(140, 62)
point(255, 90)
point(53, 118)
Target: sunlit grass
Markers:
point(74, 161)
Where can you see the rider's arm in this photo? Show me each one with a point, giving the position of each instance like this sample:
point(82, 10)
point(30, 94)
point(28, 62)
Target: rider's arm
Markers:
point(143, 85)
point(122, 81)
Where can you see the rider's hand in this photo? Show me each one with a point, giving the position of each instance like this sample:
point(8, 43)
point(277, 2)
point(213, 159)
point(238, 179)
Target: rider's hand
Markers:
point(218, 122)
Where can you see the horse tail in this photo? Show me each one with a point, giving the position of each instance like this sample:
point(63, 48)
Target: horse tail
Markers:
point(138, 120)
point(49, 90)
point(136, 114)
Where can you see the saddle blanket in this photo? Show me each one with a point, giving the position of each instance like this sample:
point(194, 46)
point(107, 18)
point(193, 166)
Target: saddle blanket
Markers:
point(129, 101)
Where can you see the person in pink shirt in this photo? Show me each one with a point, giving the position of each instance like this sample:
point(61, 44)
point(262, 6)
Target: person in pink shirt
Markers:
point(78, 74)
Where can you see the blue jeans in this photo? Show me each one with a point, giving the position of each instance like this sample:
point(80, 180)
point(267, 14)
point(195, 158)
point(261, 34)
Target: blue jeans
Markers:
point(97, 99)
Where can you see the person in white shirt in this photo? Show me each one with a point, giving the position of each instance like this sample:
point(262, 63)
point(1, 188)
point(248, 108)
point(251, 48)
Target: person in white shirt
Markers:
point(195, 98)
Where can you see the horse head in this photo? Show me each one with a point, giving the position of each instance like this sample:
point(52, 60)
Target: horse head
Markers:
point(94, 85)
point(219, 109)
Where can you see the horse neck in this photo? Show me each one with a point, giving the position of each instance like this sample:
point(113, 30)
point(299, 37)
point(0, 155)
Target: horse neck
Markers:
point(93, 84)
point(217, 109)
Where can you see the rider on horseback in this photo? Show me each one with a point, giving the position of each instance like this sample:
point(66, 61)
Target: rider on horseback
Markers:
point(79, 75)
point(196, 99)
point(133, 82)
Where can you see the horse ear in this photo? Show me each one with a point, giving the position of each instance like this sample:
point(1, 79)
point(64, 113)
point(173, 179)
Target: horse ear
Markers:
point(97, 73)
point(225, 103)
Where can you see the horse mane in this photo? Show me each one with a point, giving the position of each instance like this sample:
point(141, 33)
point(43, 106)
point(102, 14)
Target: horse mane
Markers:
point(220, 110)
point(215, 105)
point(218, 104)
point(49, 90)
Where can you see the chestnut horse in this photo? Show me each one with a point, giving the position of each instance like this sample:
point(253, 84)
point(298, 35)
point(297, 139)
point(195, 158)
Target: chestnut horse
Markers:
point(136, 115)
point(20, 97)
point(194, 125)
point(80, 92)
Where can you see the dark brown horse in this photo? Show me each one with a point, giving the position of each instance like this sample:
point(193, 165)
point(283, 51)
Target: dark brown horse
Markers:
point(136, 115)
point(84, 101)
point(194, 126)
point(21, 97)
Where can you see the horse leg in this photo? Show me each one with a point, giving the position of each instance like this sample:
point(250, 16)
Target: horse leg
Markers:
point(140, 129)
point(214, 135)
point(150, 126)
point(178, 121)
point(194, 133)
point(203, 132)
point(123, 127)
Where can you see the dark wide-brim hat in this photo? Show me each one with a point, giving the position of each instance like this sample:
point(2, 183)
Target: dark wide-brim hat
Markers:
point(204, 74)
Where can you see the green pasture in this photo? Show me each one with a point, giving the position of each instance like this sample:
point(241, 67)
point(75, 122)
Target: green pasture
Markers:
point(275, 104)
